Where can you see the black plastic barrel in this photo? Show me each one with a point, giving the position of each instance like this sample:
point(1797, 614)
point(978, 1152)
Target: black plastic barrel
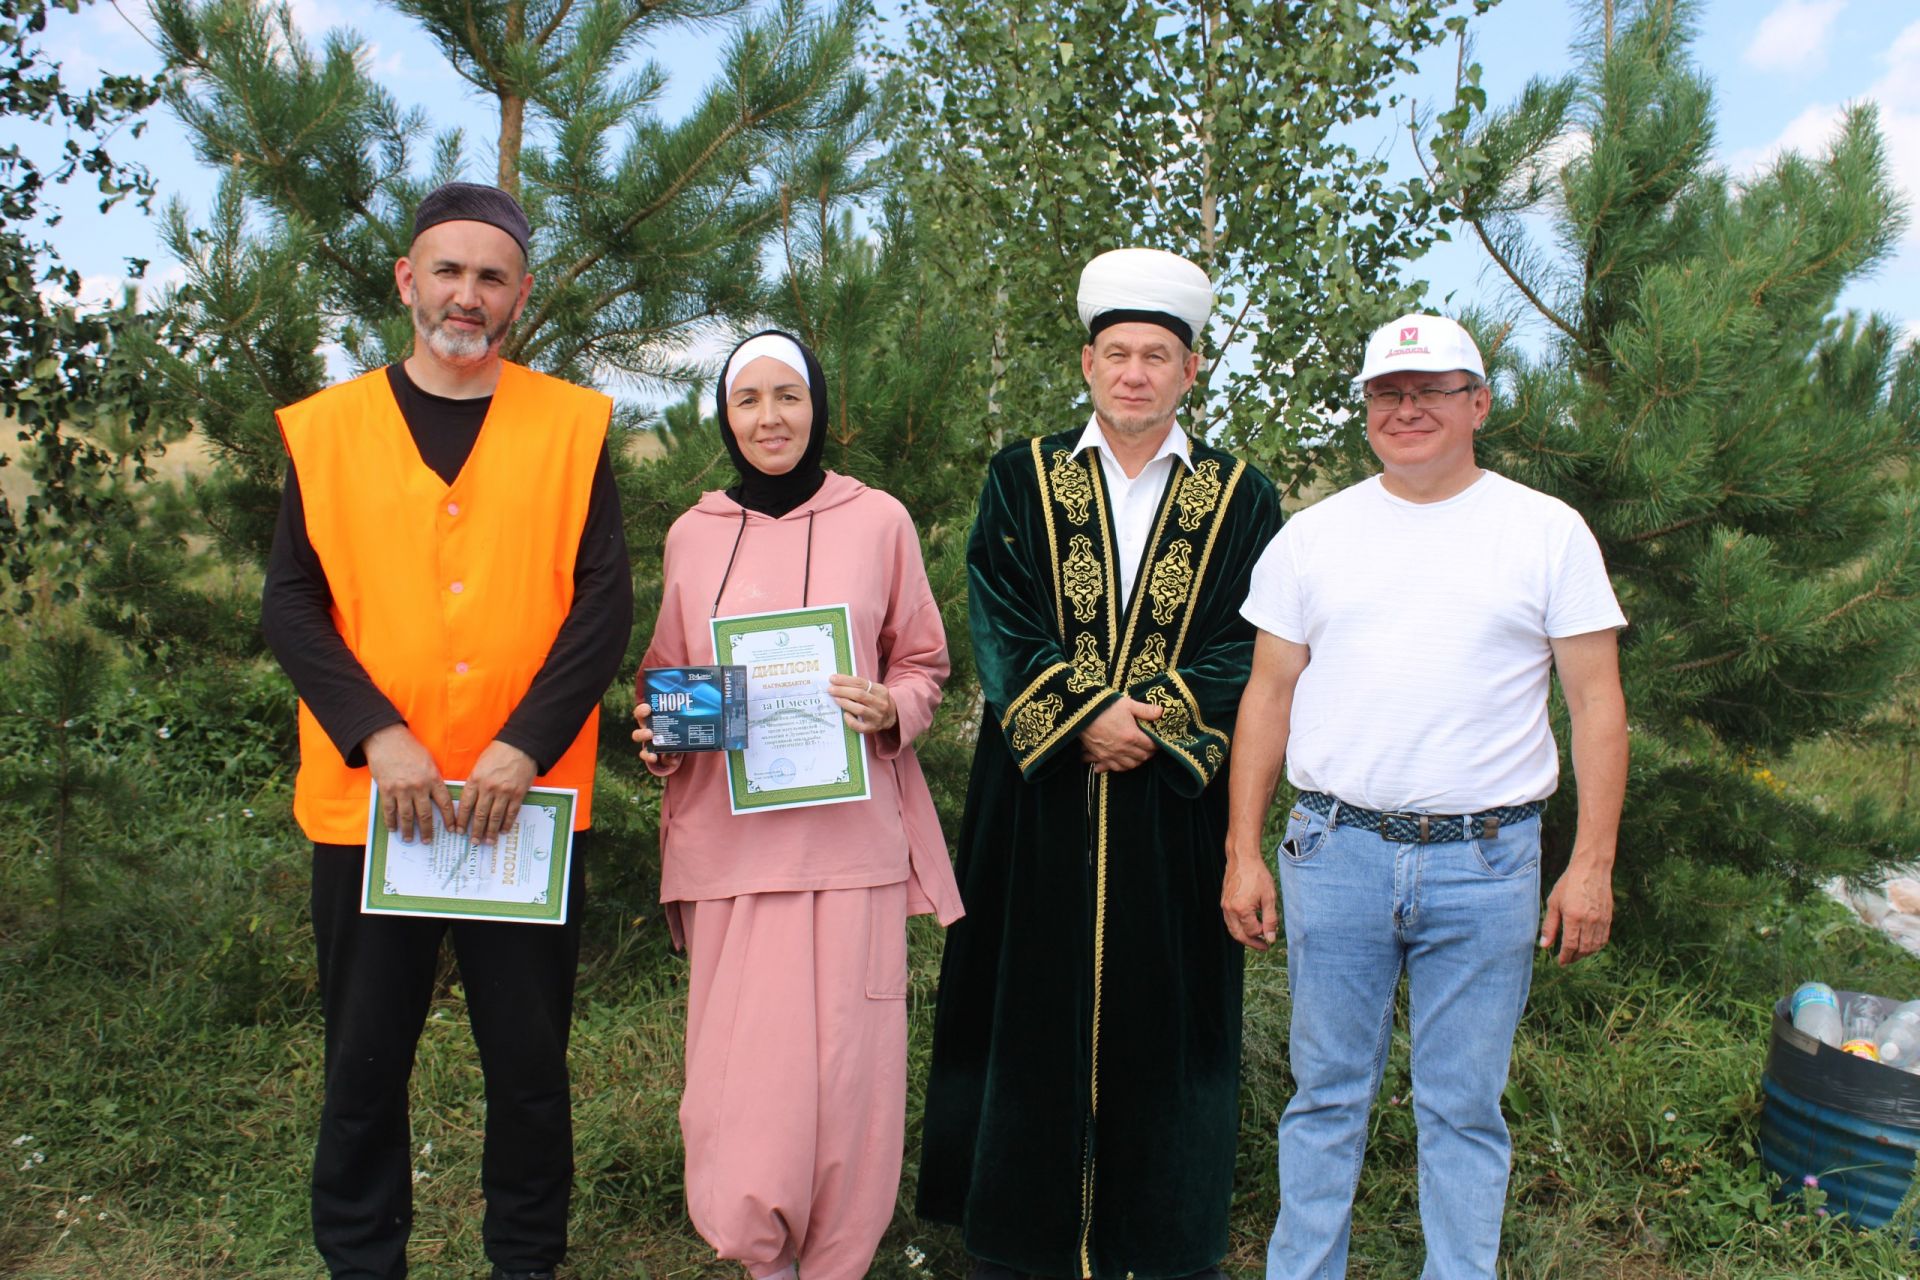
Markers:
point(1851, 1123)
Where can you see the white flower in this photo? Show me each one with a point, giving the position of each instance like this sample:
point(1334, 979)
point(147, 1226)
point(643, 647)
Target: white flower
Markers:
point(246, 813)
point(426, 1148)
point(164, 732)
point(86, 1199)
point(915, 1256)
point(421, 1175)
point(101, 1216)
point(60, 1216)
point(1669, 1116)
point(22, 1140)
point(39, 1157)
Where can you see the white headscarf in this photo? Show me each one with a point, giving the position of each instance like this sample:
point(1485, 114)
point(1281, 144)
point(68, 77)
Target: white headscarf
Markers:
point(779, 346)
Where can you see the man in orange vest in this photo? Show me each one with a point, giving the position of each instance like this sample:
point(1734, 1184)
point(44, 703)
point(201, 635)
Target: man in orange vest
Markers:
point(449, 593)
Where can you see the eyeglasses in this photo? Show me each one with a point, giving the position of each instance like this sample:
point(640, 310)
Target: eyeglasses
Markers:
point(1389, 400)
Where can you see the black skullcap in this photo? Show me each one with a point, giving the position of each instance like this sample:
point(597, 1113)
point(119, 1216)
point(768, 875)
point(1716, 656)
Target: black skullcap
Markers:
point(473, 202)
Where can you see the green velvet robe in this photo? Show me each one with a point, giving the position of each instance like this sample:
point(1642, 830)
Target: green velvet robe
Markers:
point(1081, 1109)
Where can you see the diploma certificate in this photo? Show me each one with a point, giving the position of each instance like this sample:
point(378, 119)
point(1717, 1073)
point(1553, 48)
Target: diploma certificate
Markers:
point(523, 875)
point(799, 750)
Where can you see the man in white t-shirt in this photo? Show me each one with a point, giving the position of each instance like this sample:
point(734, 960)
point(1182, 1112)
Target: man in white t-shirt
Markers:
point(1408, 626)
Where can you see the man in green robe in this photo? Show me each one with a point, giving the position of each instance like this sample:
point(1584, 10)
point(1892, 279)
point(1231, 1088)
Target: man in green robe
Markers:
point(1081, 1109)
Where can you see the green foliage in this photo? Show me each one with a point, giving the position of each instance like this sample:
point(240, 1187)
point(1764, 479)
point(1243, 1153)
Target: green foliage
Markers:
point(163, 1056)
point(1742, 452)
point(73, 798)
point(1051, 132)
point(648, 234)
point(76, 402)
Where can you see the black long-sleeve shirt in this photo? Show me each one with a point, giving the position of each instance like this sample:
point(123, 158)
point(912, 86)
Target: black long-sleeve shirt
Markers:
point(296, 602)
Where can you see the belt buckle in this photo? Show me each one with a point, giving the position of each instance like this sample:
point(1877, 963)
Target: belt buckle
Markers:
point(1422, 820)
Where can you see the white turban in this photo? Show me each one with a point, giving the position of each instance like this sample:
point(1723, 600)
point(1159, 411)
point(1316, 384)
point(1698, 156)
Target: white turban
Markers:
point(777, 345)
point(1149, 285)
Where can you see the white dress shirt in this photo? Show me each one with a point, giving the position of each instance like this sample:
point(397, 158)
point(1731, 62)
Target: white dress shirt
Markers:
point(1135, 500)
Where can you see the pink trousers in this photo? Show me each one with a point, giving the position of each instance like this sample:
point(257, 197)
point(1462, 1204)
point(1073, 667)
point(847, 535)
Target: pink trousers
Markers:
point(795, 1106)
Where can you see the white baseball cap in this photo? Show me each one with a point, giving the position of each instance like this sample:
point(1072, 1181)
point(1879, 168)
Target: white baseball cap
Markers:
point(1431, 344)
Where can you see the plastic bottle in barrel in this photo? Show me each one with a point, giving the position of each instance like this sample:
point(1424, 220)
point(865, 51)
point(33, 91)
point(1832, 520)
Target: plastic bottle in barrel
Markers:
point(1816, 1010)
point(1899, 1037)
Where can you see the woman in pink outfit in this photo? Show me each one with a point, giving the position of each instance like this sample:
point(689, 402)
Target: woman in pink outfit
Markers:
point(795, 919)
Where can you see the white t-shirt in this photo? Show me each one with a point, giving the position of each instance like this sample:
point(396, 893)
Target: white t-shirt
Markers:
point(1428, 626)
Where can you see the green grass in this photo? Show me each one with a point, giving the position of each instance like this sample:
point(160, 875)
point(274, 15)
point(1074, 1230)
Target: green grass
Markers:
point(161, 1047)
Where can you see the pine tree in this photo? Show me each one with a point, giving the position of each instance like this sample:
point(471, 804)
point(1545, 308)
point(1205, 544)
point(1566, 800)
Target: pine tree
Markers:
point(1742, 449)
point(648, 233)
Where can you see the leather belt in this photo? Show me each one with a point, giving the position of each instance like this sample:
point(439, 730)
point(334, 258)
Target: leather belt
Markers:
point(1403, 827)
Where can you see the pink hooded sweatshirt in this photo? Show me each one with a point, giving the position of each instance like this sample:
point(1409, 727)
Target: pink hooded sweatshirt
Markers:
point(850, 545)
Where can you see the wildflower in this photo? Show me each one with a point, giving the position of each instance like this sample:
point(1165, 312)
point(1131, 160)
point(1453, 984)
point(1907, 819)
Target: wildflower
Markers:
point(426, 1148)
point(101, 1216)
point(1810, 1181)
point(421, 1175)
point(1669, 1115)
point(22, 1140)
point(86, 1199)
point(915, 1256)
point(246, 813)
point(164, 732)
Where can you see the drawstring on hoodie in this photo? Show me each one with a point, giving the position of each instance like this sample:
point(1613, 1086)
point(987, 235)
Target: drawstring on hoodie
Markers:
point(806, 575)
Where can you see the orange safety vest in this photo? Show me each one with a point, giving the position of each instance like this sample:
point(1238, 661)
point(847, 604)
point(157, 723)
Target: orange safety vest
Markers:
point(450, 595)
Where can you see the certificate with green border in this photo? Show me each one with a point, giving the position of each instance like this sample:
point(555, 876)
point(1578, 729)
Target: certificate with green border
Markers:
point(799, 749)
point(524, 875)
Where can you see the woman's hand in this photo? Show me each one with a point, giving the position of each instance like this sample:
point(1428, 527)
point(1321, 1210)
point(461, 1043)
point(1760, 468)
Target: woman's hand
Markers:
point(868, 706)
point(643, 716)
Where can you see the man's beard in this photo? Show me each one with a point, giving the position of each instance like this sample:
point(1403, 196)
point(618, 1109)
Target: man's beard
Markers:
point(453, 345)
point(1130, 422)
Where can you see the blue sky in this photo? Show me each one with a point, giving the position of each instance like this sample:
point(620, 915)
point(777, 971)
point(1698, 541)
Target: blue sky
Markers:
point(1782, 69)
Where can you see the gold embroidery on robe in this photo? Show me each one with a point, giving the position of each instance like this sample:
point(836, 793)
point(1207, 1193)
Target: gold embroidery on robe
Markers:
point(1080, 577)
point(1033, 722)
point(1072, 486)
point(1175, 722)
point(1214, 757)
point(1199, 492)
point(1150, 661)
point(1089, 666)
point(1171, 579)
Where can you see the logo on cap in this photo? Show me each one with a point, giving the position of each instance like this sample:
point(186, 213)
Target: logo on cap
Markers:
point(1410, 335)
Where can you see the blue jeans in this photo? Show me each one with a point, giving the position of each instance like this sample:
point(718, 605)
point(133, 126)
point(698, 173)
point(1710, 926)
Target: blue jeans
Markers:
point(1461, 919)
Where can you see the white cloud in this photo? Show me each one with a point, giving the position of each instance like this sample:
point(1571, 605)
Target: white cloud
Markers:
point(106, 290)
point(1794, 36)
point(1897, 95)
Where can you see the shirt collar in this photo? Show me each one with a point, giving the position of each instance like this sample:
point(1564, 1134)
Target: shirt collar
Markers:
point(1174, 446)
